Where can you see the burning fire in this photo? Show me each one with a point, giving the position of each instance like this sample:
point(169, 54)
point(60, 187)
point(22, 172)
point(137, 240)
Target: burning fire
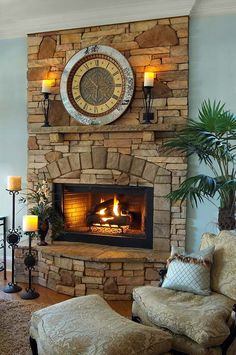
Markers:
point(107, 218)
point(110, 215)
point(102, 211)
point(116, 206)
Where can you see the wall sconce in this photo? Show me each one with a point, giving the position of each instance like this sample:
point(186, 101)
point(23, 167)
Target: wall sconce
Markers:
point(46, 91)
point(148, 115)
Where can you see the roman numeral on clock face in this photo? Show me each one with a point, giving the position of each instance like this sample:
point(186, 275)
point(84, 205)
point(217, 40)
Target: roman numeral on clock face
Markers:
point(78, 97)
point(86, 65)
point(114, 74)
point(115, 97)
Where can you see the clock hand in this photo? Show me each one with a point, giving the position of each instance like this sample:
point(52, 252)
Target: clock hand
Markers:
point(97, 88)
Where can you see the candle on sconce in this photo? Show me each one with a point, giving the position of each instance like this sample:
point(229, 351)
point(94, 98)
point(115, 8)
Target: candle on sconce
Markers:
point(14, 183)
point(47, 86)
point(149, 79)
point(30, 223)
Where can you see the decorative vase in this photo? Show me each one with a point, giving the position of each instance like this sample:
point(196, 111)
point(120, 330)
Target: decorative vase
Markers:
point(42, 232)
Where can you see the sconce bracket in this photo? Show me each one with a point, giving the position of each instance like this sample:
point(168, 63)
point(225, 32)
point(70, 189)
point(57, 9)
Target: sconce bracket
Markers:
point(148, 116)
point(46, 108)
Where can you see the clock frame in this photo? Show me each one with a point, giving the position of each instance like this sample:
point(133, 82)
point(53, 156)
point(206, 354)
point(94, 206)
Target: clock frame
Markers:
point(97, 85)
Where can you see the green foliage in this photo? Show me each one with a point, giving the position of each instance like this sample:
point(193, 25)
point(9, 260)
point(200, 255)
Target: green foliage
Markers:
point(39, 204)
point(212, 139)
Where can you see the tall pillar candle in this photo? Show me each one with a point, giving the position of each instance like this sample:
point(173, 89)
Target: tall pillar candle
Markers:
point(14, 183)
point(47, 86)
point(148, 79)
point(30, 223)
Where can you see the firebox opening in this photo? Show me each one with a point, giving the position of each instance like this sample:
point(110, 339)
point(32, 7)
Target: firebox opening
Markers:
point(112, 215)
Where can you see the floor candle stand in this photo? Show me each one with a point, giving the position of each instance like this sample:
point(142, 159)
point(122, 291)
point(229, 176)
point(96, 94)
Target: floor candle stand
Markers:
point(13, 239)
point(30, 227)
point(30, 262)
point(3, 244)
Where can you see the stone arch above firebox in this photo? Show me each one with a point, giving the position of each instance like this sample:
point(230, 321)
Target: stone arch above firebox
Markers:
point(100, 166)
point(111, 167)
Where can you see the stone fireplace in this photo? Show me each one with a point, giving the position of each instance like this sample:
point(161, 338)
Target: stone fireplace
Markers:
point(119, 159)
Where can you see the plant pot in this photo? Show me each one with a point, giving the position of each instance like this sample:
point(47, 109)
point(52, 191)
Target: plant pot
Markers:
point(226, 218)
point(42, 232)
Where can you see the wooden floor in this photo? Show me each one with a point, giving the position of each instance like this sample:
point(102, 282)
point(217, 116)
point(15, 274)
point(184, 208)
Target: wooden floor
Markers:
point(49, 297)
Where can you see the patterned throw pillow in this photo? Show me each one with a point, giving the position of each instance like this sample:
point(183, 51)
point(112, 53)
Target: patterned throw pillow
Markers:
point(189, 272)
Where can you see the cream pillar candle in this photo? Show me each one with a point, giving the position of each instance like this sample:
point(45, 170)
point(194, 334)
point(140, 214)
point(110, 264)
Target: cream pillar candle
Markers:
point(47, 86)
point(14, 183)
point(148, 79)
point(30, 223)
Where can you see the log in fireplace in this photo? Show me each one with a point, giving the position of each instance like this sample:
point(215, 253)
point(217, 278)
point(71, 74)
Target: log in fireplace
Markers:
point(106, 214)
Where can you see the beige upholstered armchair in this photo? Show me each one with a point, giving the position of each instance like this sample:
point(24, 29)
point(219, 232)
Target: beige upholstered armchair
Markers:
point(200, 325)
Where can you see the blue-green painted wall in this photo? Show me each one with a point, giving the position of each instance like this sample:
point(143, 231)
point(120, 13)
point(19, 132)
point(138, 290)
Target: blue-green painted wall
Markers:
point(13, 117)
point(212, 75)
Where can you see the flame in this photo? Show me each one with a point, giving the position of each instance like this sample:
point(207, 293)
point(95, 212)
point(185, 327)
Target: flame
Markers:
point(115, 206)
point(107, 218)
point(102, 211)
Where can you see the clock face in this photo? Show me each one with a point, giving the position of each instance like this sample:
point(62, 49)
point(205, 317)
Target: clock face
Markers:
point(97, 85)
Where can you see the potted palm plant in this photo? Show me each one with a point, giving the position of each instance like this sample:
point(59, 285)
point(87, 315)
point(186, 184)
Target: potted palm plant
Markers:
point(212, 139)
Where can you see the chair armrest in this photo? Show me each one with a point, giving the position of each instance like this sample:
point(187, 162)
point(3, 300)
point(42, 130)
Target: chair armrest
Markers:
point(226, 344)
point(162, 273)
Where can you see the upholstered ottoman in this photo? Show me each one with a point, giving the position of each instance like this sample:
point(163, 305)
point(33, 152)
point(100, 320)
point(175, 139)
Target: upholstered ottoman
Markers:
point(87, 325)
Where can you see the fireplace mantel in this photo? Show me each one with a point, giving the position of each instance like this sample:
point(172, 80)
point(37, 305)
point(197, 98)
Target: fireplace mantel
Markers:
point(109, 128)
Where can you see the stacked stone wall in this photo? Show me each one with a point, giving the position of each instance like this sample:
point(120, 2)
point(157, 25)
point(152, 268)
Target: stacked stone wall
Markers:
point(111, 279)
point(158, 45)
point(125, 152)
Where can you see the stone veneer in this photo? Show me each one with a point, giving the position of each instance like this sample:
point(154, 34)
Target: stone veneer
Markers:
point(125, 152)
point(111, 272)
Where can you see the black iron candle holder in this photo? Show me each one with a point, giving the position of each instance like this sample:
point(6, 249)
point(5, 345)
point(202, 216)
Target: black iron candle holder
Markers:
point(13, 239)
point(46, 108)
point(30, 262)
point(148, 115)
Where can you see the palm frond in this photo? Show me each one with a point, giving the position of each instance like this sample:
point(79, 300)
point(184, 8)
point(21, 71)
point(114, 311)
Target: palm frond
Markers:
point(209, 138)
point(214, 118)
point(195, 189)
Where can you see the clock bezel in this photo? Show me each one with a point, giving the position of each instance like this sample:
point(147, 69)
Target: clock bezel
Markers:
point(128, 89)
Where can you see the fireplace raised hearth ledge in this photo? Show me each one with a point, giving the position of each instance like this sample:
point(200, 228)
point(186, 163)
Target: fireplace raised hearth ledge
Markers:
point(99, 253)
point(84, 269)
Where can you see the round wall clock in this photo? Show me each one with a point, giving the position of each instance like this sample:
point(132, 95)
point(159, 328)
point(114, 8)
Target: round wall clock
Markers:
point(97, 85)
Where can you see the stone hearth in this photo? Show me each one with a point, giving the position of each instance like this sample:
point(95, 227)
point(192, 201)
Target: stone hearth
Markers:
point(83, 269)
